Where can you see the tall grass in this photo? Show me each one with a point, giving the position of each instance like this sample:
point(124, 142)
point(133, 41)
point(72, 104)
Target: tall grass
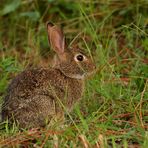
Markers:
point(113, 111)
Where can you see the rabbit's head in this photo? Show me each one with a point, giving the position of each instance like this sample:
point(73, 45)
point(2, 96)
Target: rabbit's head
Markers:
point(72, 62)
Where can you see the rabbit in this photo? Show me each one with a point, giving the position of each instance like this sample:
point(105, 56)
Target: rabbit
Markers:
point(35, 97)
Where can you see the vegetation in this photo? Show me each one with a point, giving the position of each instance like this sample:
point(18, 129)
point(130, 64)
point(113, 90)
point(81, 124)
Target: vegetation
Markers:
point(113, 111)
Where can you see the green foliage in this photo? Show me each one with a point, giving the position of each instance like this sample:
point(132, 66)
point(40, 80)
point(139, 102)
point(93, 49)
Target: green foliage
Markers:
point(115, 34)
point(34, 16)
point(10, 7)
point(7, 66)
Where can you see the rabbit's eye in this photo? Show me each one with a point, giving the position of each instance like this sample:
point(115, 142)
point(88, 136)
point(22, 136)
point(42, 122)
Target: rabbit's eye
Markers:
point(80, 57)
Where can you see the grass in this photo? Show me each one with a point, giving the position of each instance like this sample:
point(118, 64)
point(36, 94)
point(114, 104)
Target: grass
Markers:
point(113, 111)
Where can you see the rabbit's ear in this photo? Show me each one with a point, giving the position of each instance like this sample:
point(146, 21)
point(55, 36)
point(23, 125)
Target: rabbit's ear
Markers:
point(56, 38)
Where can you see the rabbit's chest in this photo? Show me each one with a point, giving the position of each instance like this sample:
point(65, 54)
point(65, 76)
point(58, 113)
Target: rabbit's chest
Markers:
point(67, 91)
point(74, 93)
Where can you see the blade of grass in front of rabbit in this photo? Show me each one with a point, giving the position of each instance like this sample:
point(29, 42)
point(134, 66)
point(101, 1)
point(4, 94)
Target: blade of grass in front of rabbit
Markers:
point(65, 108)
point(73, 40)
point(88, 50)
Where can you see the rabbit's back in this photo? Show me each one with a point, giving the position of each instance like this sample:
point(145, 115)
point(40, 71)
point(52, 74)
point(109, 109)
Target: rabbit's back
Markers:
point(38, 95)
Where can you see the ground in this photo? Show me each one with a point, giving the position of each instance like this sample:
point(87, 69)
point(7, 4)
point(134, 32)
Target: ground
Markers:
point(113, 111)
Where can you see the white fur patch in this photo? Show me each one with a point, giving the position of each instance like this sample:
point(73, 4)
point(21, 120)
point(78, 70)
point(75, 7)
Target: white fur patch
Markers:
point(77, 76)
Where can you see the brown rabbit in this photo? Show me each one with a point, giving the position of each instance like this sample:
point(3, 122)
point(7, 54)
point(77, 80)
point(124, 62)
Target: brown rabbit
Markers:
point(37, 96)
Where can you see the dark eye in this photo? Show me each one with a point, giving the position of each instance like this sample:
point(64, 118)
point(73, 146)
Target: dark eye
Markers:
point(80, 57)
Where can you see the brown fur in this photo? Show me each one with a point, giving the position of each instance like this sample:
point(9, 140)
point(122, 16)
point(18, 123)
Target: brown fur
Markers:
point(37, 96)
